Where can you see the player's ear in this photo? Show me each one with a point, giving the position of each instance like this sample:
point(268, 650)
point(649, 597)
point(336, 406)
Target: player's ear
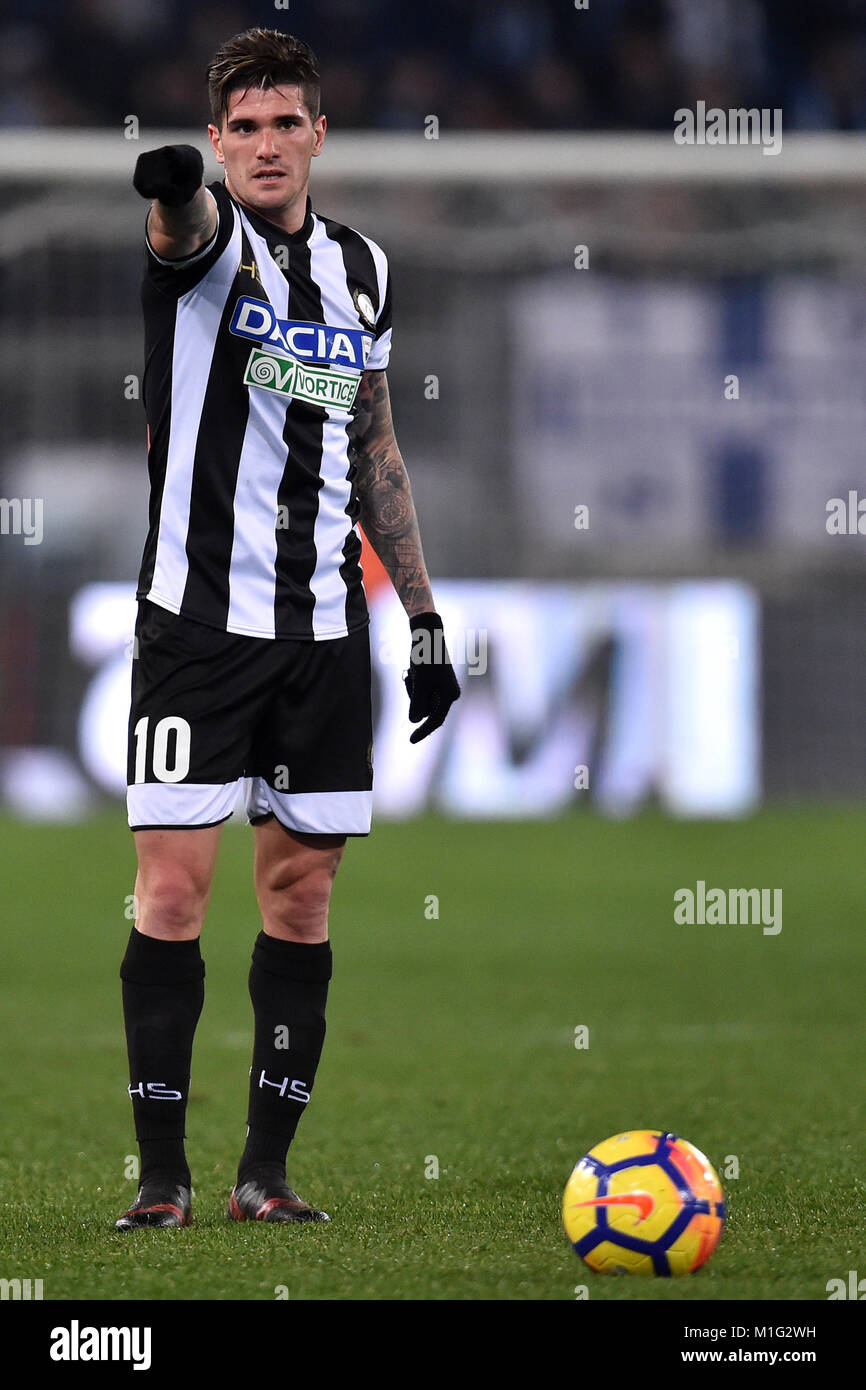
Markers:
point(320, 125)
point(216, 143)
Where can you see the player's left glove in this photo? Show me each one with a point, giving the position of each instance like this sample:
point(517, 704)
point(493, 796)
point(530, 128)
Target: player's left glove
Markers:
point(430, 681)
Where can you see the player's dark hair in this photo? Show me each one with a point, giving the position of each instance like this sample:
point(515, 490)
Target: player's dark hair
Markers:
point(262, 58)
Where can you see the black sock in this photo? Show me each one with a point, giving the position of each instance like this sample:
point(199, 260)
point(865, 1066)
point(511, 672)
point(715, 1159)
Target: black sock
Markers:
point(163, 993)
point(289, 991)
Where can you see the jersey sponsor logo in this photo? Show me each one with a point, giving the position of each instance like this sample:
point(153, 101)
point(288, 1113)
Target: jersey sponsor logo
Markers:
point(285, 376)
point(307, 342)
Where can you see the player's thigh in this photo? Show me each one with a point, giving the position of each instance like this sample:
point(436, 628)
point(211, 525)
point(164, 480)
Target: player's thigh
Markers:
point(175, 867)
point(294, 872)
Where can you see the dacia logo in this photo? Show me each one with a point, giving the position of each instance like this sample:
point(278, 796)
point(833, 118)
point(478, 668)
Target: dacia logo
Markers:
point(307, 342)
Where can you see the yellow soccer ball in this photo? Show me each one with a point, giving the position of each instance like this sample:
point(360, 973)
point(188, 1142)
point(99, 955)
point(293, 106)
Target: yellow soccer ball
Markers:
point(644, 1202)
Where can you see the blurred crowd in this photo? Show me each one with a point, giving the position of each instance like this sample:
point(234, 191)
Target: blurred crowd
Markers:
point(476, 64)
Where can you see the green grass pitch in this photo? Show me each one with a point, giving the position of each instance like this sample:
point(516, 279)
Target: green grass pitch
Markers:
point(453, 1038)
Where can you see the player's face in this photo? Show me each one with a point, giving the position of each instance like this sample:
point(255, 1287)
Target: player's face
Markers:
point(266, 143)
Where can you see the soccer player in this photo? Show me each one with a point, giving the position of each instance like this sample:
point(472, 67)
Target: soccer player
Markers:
point(267, 335)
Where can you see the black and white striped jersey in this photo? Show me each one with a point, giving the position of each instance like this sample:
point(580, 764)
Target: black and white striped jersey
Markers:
point(254, 349)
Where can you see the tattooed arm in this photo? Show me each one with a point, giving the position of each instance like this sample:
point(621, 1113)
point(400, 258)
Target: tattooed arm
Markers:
point(387, 510)
point(387, 514)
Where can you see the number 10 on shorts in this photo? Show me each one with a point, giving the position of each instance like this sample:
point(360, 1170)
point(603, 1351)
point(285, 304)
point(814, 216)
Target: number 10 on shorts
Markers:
point(170, 749)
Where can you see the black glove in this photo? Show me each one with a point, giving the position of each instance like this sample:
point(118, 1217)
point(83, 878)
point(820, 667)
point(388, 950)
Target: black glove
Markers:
point(430, 681)
point(172, 174)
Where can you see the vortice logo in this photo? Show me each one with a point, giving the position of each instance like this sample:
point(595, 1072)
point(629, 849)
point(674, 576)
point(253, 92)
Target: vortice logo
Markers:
point(283, 375)
point(306, 342)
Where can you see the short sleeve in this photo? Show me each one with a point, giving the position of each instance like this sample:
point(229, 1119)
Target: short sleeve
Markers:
point(177, 277)
point(380, 352)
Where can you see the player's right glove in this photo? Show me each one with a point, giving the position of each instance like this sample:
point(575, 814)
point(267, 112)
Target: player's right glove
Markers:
point(171, 174)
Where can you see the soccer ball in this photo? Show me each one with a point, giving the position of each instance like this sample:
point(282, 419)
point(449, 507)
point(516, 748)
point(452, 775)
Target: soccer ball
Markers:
point(644, 1202)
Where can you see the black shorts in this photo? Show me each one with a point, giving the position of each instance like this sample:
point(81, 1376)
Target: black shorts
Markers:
point(291, 718)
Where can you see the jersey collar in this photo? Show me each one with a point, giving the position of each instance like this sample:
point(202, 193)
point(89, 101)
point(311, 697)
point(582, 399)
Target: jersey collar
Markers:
point(271, 230)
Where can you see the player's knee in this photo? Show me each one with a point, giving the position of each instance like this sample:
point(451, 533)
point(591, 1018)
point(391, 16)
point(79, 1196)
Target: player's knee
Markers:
point(310, 897)
point(172, 902)
point(298, 904)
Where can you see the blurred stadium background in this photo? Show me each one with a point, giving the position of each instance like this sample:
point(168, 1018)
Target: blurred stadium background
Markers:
point(524, 387)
